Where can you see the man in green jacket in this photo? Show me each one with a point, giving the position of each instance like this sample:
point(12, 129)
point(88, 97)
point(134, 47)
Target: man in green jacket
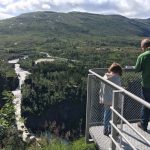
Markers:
point(143, 66)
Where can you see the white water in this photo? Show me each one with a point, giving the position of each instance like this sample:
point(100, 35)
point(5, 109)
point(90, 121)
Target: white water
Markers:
point(44, 59)
point(46, 54)
point(17, 101)
point(48, 59)
point(22, 74)
point(14, 61)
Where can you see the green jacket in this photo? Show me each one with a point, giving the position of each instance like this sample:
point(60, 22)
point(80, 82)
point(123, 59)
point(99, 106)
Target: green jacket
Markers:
point(143, 65)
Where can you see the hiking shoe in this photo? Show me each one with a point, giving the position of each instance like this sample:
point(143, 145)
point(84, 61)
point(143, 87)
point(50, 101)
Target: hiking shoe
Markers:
point(106, 132)
point(141, 126)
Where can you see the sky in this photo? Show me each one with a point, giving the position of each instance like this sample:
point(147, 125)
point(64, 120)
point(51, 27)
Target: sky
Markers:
point(127, 8)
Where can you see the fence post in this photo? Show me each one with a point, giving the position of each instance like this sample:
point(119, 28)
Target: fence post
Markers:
point(88, 106)
point(114, 117)
point(121, 122)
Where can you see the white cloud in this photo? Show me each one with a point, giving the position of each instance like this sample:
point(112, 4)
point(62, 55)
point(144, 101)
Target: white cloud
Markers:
point(59, 2)
point(4, 16)
point(132, 8)
point(5, 2)
point(46, 6)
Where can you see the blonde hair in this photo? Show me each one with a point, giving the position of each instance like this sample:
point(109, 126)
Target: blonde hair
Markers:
point(145, 43)
point(116, 68)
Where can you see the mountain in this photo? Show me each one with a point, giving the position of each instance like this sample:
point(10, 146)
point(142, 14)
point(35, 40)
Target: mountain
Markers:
point(74, 23)
point(69, 34)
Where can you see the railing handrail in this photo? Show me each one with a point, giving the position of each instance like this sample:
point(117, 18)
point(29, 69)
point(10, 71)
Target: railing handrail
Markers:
point(133, 147)
point(124, 91)
point(129, 124)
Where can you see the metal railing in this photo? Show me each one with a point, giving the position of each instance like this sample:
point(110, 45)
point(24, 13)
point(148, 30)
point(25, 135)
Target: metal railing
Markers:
point(130, 110)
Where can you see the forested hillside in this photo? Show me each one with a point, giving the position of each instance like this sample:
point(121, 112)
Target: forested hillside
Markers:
point(56, 92)
point(60, 33)
point(74, 23)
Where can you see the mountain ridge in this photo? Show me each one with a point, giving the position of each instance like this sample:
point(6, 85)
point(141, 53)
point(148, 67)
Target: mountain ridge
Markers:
point(74, 23)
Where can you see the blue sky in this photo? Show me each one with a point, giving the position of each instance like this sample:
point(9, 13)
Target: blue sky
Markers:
point(128, 8)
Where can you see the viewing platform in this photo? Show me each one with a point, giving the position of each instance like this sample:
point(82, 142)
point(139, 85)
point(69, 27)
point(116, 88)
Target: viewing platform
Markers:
point(104, 143)
point(125, 134)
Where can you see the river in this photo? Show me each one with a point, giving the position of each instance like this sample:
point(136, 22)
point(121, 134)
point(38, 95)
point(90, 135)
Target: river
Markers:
point(22, 74)
point(17, 101)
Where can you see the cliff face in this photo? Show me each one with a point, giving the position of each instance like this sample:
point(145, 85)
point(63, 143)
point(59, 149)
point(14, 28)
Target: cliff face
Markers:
point(60, 119)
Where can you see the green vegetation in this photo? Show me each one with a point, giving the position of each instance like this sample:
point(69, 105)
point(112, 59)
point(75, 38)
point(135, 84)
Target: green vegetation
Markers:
point(70, 35)
point(51, 83)
point(60, 86)
point(7, 111)
point(8, 81)
point(54, 95)
point(56, 144)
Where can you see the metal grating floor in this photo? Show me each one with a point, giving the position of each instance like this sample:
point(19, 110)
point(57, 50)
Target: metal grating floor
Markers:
point(104, 142)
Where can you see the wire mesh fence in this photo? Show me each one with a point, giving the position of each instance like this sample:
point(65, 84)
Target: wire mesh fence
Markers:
point(131, 81)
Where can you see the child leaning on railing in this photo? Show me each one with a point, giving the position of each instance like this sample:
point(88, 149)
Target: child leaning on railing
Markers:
point(106, 93)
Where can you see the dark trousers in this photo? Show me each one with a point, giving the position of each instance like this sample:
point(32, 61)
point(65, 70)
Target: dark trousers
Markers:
point(145, 112)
